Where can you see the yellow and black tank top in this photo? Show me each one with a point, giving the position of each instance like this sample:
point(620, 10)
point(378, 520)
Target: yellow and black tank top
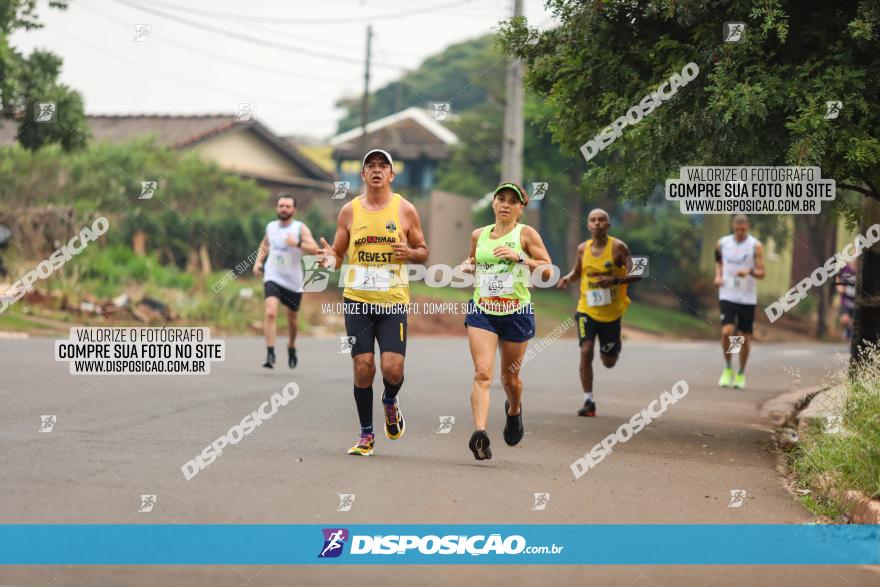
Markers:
point(373, 275)
point(605, 304)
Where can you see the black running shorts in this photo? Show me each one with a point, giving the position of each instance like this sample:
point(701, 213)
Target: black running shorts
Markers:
point(366, 324)
point(608, 333)
point(742, 316)
point(289, 298)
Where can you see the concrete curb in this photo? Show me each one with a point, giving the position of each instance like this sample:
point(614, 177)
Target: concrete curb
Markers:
point(784, 411)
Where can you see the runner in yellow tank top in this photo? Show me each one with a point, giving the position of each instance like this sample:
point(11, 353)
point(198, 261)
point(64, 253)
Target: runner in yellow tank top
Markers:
point(380, 232)
point(601, 265)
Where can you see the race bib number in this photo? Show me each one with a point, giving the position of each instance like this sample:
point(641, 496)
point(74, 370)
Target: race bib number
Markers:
point(371, 278)
point(496, 284)
point(598, 297)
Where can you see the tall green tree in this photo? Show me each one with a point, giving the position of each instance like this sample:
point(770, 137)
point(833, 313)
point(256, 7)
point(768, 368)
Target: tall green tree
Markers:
point(761, 101)
point(29, 82)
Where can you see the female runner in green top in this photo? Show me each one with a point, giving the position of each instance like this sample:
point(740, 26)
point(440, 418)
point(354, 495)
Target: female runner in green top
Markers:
point(502, 256)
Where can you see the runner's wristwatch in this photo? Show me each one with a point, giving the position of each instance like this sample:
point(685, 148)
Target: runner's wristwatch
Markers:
point(522, 257)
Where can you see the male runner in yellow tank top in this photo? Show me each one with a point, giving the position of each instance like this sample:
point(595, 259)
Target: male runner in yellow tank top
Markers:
point(380, 232)
point(601, 265)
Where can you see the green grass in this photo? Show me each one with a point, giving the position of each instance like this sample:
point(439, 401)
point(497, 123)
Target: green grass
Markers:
point(15, 321)
point(556, 306)
point(851, 457)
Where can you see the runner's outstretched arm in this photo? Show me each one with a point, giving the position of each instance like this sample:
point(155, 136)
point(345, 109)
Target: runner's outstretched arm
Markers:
point(307, 241)
point(575, 272)
point(622, 258)
point(411, 245)
point(261, 255)
point(332, 255)
point(535, 249)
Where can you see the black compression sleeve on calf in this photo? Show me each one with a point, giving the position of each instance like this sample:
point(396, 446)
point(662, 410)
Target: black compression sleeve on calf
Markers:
point(391, 389)
point(363, 397)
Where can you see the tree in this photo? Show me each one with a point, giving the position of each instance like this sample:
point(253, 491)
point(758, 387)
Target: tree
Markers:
point(761, 101)
point(28, 82)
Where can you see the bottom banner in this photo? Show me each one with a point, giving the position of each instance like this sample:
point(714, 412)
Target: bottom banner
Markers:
point(267, 544)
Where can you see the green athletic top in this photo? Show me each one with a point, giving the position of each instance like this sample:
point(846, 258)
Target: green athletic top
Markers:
point(500, 286)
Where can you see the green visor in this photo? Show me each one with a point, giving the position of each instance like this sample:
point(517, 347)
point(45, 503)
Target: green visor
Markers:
point(510, 186)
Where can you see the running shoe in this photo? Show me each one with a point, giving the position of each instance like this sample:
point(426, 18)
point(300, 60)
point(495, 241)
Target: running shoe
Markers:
point(588, 409)
point(394, 424)
point(291, 358)
point(479, 445)
point(270, 361)
point(364, 447)
point(726, 379)
point(739, 382)
point(513, 429)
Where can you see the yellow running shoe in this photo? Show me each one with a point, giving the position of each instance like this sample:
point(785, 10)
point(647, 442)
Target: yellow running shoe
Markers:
point(364, 447)
point(394, 424)
point(726, 378)
point(740, 381)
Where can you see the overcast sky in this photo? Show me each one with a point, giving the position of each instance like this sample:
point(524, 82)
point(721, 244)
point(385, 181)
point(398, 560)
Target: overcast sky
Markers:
point(293, 60)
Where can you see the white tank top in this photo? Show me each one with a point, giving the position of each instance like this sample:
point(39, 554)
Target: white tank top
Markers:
point(284, 262)
point(736, 256)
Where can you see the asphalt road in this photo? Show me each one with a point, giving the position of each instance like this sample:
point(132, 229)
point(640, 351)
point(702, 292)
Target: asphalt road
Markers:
point(119, 437)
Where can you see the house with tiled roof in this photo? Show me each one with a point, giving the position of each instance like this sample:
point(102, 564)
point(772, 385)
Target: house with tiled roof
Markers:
point(244, 147)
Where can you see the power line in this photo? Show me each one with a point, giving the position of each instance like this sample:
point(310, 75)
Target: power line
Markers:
point(224, 59)
point(186, 80)
point(308, 21)
point(249, 39)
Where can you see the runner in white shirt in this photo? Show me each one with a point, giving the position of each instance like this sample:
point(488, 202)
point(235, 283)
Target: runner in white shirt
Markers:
point(739, 261)
point(284, 244)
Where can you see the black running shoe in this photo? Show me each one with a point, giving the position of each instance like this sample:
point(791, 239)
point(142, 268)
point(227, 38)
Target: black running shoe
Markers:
point(589, 409)
point(291, 358)
point(270, 361)
point(479, 444)
point(513, 429)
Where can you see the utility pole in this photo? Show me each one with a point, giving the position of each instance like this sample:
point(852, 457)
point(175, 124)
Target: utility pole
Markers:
point(365, 103)
point(514, 126)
